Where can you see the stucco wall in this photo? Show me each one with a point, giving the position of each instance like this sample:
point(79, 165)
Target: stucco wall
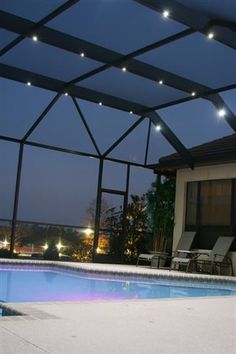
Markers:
point(198, 174)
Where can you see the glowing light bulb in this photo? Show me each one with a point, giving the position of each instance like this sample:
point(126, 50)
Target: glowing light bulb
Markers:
point(210, 35)
point(165, 13)
point(221, 112)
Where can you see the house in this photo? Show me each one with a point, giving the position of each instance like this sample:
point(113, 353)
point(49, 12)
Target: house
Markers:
point(205, 198)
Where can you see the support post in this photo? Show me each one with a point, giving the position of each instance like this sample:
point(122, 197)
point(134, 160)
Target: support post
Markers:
point(98, 208)
point(16, 200)
point(125, 206)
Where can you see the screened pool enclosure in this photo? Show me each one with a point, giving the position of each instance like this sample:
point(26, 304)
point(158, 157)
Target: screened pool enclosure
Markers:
point(93, 93)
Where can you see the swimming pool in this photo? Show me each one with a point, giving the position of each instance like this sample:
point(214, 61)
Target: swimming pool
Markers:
point(39, 285)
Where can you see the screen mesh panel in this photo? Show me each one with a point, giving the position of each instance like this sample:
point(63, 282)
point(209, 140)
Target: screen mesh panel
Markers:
point(8, 162)
point(158, 146)
point(115, 24)
point(6, 37)
point(114, 176)
point(196, 58)
point(56, 187)
point(214, 8)
point(54, 62)
point(63, 127)
point(106, 124)
point(20, 106)
point(132, 148)
point(230, 98)
point(195, 122)
point(140, 180)
point(30, 9)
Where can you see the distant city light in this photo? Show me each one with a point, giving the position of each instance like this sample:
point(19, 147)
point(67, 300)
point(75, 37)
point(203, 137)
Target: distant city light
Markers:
point(88, 231)
point(35, 38)
point(165, 13)
point(158, 128)
point(210, 35)
point(45, 246)
point(221, 112)
point(59, 245)
point(5, 243)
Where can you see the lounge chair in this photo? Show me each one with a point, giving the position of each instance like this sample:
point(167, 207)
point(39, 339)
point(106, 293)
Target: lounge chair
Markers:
point(182, 253)
point(217, 258)
point(185, 243)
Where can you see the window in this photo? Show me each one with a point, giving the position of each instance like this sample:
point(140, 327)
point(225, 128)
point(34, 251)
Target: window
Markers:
point(215, 202)
point(191, 207)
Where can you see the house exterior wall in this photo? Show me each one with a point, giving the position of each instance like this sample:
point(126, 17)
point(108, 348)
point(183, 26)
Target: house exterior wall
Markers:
point(198, 174)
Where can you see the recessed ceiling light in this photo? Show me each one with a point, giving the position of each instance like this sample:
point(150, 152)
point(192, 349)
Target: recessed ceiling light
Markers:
point(210, 35)
point(165, 13)
point(221, 112)
point(160, 82)
point(35, 38)
point(124, 68)
point(193, 94)
point(82, 54)
point(158, 127)
point(28, 83)
point(100, 103)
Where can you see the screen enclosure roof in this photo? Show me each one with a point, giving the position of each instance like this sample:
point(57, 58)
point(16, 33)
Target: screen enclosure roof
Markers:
point(137, 56)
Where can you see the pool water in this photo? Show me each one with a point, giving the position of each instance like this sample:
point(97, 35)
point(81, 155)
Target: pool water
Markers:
point(46, 285)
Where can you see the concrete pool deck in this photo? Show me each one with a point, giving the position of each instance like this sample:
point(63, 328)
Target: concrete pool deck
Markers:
point(165, 326)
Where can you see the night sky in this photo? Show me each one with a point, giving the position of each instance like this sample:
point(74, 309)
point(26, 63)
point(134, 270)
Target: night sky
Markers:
point(58, 187)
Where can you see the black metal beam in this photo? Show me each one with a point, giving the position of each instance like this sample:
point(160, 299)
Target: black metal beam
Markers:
point(193, 19)
point(59, 10)
point(69, 151)
point(123, 136)
point(37, 80)
point(147, 142)
point(90, 95)
point(112, 191)
point(111, 58)
point(86, 126)
point(41, 117)
point(16, 199)
point(172, 139)
point(98, 209)
point(98, 53)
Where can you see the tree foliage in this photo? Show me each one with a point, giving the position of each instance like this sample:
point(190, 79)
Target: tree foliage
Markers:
point(160, 211)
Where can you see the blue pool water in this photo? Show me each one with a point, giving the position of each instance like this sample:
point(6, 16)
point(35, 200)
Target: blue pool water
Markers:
point(28, 285)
